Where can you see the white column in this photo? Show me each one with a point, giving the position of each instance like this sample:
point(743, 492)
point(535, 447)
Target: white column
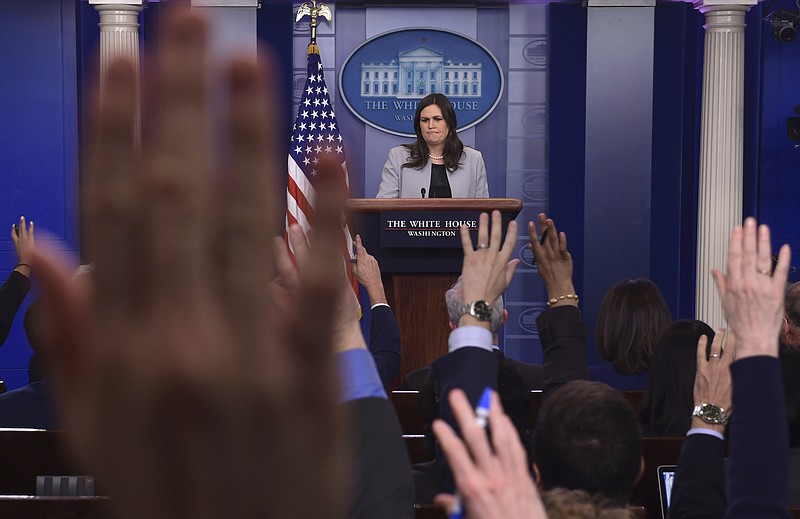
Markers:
point(119, 37)
point(721, 134)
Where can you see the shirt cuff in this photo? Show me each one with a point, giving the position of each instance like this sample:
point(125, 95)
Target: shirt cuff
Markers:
point(358, 376)
point(470, 336)
point(379, 304)
point(709, 432)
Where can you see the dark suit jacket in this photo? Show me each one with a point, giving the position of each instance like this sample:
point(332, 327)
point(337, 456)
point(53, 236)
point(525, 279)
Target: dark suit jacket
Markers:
point(563, 339)
point(381, 483)
point(699, 489)
point(12, 293)
point(384, 343)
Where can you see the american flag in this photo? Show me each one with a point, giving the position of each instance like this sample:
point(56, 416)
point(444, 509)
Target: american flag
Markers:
point(315, 135)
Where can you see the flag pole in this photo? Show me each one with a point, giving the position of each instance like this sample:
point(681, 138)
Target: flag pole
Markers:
point(315, 11)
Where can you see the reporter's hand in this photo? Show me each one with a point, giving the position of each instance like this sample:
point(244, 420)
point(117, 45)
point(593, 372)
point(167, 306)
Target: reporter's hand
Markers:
point(493, 481)
point(25, 245)
point(712, 380)
point(368, 272)
point(487, 271)
point(751, 294)
point(183, 391)
point(553, 260)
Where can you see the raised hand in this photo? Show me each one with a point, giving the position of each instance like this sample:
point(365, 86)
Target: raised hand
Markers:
point(368, 273)
point(184, 392)
point(487, 271)
point(25, 244)
point(751, 294)
point(493, 481)
point(553, 261)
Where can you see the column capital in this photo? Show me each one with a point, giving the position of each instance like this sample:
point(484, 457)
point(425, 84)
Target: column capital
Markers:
point(716, 5)
point(126, 3)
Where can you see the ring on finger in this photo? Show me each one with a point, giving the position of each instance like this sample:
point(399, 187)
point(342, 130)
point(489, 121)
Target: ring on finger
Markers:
point(765, 272)
point(482, 246)
point(714, 355)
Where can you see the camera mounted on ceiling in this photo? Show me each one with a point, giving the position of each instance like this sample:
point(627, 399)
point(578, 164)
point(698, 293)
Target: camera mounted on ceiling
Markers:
point(784, 24)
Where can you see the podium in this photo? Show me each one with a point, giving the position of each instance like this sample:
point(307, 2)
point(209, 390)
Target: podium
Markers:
point(418, 246)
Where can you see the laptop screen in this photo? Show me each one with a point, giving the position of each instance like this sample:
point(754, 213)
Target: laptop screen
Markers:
point(666, 475)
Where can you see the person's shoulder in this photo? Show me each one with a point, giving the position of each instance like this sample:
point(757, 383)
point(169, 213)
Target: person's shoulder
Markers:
point(400, 151)
point(472, 153)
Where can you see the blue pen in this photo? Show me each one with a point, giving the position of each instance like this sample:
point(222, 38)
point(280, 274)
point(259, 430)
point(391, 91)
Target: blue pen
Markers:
point(481, 418)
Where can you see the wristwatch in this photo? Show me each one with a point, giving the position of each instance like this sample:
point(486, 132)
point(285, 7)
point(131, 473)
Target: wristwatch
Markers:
point(710, 413)
point(480, 310)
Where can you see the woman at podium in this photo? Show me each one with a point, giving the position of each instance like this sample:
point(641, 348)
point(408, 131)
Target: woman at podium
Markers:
point(437, 164)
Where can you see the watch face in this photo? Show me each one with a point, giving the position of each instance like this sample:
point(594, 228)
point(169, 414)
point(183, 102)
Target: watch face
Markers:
point(712, 414)
point(481, 310)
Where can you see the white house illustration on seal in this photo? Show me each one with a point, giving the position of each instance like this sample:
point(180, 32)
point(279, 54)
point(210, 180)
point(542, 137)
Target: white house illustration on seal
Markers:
point(419, 72)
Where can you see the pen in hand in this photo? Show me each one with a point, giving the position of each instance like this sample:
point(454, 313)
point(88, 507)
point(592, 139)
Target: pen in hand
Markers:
point(481, 418)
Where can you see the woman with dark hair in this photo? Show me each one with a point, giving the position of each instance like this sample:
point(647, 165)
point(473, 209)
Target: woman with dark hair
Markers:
point(666, 409)
point(437, 164)
point(632, 315)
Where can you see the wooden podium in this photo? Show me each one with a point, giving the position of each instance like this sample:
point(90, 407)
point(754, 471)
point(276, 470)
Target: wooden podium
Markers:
point(419, 263)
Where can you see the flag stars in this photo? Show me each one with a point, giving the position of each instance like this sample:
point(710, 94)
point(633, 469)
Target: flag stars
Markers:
point(325, 102)
point(319, 90)
point(303, 127)
point(306, 161)
point(306, 102)
point(316, 161)
point(332, 126)
point(339, 150)
point(313, 172)
point(313, 126)
point(300, 137)
point(308, 149)
point(318, 149)
point(324, 115)
point(316, 102)
point(314, 114)
point(319, 137)
point(328, 149)
point(304, 115)
point(310, 90)
point(298, 150)
point(330, 138)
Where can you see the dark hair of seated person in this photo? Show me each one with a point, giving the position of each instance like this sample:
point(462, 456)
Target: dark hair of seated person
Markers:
point(588, 438)
point(631, 316)
point(666, 409)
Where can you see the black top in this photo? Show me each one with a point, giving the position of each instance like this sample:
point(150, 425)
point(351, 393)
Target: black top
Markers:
point(440, 186)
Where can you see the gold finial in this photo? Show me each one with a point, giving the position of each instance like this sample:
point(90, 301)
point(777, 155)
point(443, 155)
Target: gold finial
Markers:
point(315, 11)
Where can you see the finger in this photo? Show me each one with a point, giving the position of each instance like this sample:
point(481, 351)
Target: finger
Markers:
point(474, 435)
point(110, 205)
point(65, 311)
point(734, 266)
point(361, 252)
point(30, 230)
point(299, 244)
point(720, 281)
point(764, 252)
point(702, 348)
point(177, 220)
point(782, 268)
point(284, 265)
point(445, 502)
point(14, 236)
point(245, 258)
point(715, 351)
point(534, 241)
point(23, 229)
point(562, 244)
point(727, 346)
point(505, 439)
point(510, 240)
point(483, 229)
point(466, 240)
point(496, 231)
point(511, 268)
point(749, 247)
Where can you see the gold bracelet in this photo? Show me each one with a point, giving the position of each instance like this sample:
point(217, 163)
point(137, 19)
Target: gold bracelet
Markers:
point(551, 302)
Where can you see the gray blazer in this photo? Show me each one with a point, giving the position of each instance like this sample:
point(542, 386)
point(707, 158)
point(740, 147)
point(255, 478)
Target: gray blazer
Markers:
point(468, 181)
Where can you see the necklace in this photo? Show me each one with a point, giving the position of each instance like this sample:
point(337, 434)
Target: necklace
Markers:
point(436, 158)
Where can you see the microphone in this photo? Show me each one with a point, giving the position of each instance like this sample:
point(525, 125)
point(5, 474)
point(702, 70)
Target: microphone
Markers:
point(423, 192)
